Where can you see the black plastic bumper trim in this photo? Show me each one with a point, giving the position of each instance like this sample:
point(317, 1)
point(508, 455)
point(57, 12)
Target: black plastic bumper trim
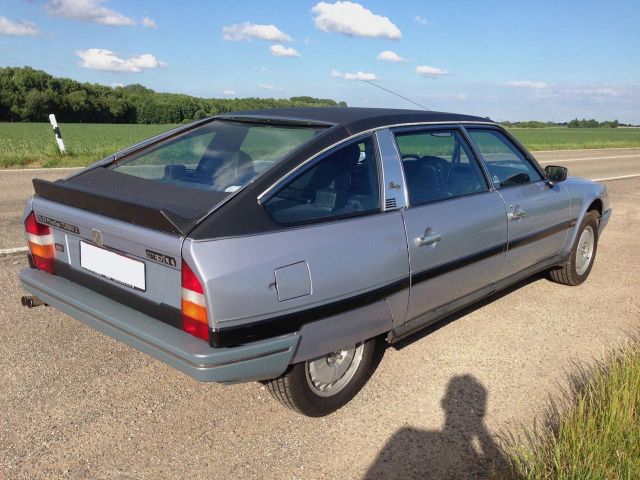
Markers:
point(160, 311)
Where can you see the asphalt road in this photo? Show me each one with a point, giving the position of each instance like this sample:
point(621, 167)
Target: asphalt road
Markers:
point(76, 404)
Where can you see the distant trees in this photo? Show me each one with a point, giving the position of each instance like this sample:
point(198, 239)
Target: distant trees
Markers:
point(591, 123)
point(575, 123)
point(530, 124)
point(29, 95)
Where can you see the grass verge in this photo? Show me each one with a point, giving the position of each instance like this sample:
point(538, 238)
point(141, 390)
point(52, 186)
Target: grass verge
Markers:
point(592, 433)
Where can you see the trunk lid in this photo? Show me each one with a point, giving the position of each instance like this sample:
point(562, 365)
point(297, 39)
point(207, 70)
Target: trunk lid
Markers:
point(130, 263)
point(148, 203)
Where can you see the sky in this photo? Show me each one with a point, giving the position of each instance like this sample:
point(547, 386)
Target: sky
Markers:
point(518, 60)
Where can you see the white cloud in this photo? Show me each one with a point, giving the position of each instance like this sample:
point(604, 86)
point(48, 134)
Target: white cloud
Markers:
point(604, 91)
point(354, 20)
point(149, 22)
point(431, 72)
point(17, 28)
point(420, 20)
point(117, 85)
point(267, 86)
point(88, 11)
point(282, 51)
point(528, 84)
point(390, 56)
point(101, 59)
point(246, 31)
point(354, 76)
point(229, 92)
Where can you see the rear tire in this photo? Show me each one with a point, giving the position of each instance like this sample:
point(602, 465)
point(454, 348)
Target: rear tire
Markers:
point(583, 253)
point(321, 386)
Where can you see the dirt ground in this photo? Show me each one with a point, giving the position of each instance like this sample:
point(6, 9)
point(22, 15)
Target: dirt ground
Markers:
point(76, 404)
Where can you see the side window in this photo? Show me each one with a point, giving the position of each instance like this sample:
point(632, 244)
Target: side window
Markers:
point(345, 182)
point(438, 164)
point(506, 164)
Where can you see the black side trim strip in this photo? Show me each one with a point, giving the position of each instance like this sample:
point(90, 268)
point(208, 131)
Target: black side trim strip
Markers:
point(160, 311)
point(241, 334)
point(292, 322)
point(547, 232)
point(430, 273)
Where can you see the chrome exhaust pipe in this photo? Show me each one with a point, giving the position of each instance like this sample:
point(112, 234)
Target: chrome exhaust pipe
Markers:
point(31, 301)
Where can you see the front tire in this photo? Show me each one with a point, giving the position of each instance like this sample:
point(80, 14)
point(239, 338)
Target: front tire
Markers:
point(583, 253)
point(321, 386)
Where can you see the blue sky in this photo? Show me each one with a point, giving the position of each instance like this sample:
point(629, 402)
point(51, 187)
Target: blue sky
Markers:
point(545, 60)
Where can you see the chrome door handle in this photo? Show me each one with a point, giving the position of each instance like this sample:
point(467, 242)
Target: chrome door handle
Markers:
point(517, 214)
point(429, 239)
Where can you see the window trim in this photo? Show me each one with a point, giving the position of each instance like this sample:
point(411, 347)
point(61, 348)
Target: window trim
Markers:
point(293, 176)
point(526, 155)
point(463, 137)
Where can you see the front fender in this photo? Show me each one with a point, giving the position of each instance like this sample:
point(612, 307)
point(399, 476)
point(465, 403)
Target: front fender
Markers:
point(583, 194)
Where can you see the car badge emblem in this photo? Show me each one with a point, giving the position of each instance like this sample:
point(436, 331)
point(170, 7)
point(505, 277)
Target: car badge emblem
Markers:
point(97, 236)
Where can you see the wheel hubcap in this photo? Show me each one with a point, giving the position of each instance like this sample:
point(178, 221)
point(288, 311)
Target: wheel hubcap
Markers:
point(584, 250)
point(328, 375)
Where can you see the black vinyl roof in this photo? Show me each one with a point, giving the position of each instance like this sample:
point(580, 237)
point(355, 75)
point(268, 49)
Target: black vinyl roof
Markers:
point(353, 119)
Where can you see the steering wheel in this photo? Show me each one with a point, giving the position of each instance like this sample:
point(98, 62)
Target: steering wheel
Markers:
point(443, 168)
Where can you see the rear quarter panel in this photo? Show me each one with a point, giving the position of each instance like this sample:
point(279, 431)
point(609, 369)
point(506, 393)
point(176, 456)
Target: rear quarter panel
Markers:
point(344, 258)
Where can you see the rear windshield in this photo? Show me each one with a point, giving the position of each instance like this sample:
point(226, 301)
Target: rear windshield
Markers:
point(219, 156)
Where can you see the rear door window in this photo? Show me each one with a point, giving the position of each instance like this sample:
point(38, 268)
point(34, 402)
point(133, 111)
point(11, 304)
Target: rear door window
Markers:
point(342, 183)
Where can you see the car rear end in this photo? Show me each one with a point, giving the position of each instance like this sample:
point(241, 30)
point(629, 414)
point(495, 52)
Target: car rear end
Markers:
point(106, 247)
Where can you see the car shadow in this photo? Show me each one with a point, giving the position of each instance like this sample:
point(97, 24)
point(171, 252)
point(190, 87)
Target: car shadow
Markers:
point(420, 334)
point(463, 448)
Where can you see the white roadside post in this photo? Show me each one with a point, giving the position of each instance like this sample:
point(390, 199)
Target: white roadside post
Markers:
point(56, 130)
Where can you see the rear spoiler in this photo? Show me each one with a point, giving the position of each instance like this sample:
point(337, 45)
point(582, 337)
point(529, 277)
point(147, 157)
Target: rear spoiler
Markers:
point(141, 202)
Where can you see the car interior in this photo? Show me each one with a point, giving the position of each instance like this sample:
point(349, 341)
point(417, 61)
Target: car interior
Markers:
point(437, 165)
point(344, 182)
point(221, 170)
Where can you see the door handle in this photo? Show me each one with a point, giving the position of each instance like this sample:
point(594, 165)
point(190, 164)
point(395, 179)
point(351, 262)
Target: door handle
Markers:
point(428, 239)
point(517, 214)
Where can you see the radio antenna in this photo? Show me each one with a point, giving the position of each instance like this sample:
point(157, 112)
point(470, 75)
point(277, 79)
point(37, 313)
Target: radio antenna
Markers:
point(397, 95)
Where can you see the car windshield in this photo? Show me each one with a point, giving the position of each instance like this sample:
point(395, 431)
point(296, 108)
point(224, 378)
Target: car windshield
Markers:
point(219, 156)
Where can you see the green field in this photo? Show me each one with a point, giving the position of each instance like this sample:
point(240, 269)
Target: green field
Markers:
point(33, 144)
point(562, 138)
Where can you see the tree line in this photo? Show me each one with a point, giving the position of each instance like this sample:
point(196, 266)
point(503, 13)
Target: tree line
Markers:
point(29, 95)
point(575, 123)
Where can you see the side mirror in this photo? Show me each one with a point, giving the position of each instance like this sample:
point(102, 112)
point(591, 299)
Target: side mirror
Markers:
point(556, 174)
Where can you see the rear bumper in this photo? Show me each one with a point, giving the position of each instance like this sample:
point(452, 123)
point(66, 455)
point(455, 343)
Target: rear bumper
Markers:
point(604, 219)
point(255, 361)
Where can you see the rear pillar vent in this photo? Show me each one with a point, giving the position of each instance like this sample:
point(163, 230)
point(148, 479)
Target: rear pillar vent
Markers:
point(390, 203)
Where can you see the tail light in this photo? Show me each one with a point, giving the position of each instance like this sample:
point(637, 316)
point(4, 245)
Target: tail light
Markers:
point(194, 309)
point(40, 243)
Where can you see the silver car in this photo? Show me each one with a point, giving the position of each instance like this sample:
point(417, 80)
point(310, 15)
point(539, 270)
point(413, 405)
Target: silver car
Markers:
point(291, 246)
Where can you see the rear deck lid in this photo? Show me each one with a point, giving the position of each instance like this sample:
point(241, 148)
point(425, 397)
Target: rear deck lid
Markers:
point(135, 200)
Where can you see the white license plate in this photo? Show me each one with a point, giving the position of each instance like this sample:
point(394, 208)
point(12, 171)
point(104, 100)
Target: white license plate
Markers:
point(113, 266)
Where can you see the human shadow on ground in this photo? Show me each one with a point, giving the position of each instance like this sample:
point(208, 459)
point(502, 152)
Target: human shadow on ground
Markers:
point(463, 448)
